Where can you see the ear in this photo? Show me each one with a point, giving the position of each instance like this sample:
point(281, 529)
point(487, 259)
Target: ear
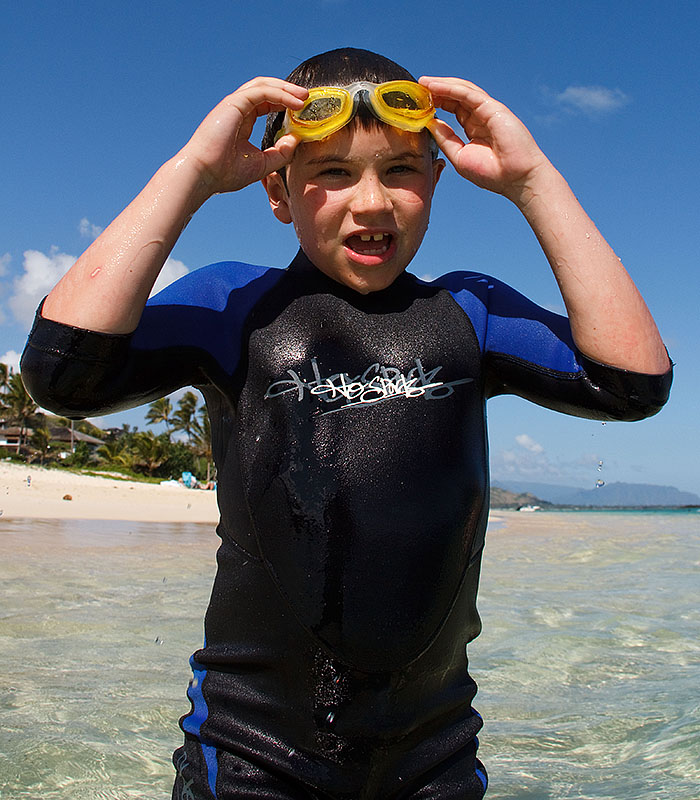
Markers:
point(278, 196)
point(438, 166)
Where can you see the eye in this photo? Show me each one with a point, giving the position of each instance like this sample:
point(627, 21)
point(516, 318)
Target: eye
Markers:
point(334, 172)
point(401, 169)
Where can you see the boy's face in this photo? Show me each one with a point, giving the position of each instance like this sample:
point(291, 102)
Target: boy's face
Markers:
point(359, 201)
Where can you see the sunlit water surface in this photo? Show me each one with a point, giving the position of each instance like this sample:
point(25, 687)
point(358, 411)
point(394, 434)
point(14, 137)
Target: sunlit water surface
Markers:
point(589, 663)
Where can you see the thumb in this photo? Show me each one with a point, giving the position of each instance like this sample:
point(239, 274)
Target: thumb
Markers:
point(447, 140)
point(281, 153)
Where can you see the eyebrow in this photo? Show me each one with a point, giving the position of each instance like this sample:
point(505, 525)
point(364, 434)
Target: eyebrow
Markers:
point(407, 154)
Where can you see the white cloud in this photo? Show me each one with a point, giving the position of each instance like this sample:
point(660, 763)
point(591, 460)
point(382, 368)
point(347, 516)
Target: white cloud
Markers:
point(88, 230)
point(592, 99)
point(40, 275)
point(528, 460)
point(11, 358)
point(42, 271)
point(172, 270)
point(528, 443)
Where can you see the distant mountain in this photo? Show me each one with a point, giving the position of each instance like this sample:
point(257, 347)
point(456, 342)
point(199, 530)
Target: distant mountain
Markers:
point(502, 498)
point(611, 494)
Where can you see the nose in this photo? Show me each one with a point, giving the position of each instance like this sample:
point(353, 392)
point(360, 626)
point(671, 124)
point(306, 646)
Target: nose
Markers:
point(371, 196)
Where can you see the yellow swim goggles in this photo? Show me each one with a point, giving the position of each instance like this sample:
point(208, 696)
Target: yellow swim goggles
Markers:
point(402, 104)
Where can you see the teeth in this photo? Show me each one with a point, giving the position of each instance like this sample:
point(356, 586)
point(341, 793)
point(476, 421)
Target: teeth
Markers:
point(366, 237)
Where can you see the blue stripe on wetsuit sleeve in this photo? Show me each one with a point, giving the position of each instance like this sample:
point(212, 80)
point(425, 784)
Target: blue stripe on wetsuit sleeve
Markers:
point(508, 323)
point(205, 309)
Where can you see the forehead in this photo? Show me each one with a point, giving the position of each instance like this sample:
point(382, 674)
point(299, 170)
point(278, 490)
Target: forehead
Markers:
point(366, 141)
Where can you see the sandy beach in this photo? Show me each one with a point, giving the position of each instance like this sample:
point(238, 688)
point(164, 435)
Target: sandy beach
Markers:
point(35, 492)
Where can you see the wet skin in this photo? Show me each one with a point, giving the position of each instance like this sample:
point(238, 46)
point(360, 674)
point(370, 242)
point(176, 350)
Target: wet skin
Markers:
point(360, 202)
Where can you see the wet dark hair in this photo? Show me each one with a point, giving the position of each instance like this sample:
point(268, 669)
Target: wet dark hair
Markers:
point(339, 67)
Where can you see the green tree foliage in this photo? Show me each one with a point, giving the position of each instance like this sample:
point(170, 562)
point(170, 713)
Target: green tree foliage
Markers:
point(116, 453)
point(160, 410)
point(201, 438)
point(150, 451)
point(184, 418)
point(17, 405)
point(40, 440)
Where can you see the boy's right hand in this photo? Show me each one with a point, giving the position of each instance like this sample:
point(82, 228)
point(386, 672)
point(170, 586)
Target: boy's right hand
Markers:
point(220, 146)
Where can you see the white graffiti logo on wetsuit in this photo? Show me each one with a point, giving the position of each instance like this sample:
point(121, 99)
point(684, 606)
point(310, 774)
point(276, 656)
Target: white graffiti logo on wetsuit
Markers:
point(376, 384)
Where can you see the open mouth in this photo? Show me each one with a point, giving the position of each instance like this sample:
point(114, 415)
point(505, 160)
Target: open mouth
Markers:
point(366, 244)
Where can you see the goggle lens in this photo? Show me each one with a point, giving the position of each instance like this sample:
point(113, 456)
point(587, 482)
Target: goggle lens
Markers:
point(319, 109)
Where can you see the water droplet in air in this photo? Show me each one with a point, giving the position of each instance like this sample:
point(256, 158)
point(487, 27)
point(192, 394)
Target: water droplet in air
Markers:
point(29, 480)
point(330, 717)
point(603, 424)
point(600, 466)
point(599, 483)
point(158, 640)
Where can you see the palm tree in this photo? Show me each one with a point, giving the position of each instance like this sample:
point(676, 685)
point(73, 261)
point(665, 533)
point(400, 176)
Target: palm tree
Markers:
point(41, 440)
point(201, 438)
point(5, 373)
point(160, 411)
point(184, 418)
point(150, 451)
point(116, 453)
point(18, 405)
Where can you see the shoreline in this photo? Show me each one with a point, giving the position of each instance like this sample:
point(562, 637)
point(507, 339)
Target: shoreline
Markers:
point(33, 492)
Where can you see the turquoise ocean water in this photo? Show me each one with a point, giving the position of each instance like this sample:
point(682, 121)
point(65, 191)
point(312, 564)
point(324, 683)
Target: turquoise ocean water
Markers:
point(588, 665)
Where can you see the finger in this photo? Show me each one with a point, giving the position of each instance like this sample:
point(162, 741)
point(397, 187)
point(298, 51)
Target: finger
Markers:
point(447, 92)
point(280, 154)
point(447, 140)
point(263, 95)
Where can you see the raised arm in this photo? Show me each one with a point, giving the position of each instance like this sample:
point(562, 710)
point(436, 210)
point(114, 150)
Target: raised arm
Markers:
point(107, 288)
point(610, 321)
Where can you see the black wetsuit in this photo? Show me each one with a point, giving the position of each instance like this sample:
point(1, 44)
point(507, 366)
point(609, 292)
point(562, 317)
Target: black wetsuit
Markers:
point(349, 436)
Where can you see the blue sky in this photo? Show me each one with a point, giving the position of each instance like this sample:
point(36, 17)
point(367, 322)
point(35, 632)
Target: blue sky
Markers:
point(96, 95)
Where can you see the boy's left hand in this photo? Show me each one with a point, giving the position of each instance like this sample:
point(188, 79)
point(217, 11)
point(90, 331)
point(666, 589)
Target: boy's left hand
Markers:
point(500, 154)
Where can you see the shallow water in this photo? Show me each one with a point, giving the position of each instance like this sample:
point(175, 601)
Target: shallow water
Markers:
point(588, 665)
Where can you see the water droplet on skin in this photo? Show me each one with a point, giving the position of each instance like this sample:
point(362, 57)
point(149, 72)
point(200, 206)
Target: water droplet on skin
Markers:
point(599, 483)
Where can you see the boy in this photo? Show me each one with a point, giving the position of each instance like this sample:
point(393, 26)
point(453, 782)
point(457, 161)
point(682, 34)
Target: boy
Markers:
point(347, 408)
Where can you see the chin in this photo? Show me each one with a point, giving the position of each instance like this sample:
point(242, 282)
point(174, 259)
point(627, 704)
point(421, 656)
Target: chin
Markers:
point(367, 281)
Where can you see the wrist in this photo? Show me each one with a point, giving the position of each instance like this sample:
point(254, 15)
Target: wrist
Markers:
point(188, 174)
point(541, 185)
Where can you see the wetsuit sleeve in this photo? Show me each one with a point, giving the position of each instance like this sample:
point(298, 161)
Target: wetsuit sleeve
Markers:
point(530, 352)
point(189, 334)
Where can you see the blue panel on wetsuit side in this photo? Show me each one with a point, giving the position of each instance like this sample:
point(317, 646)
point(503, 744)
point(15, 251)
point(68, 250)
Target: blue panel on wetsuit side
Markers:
point(193, 722)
